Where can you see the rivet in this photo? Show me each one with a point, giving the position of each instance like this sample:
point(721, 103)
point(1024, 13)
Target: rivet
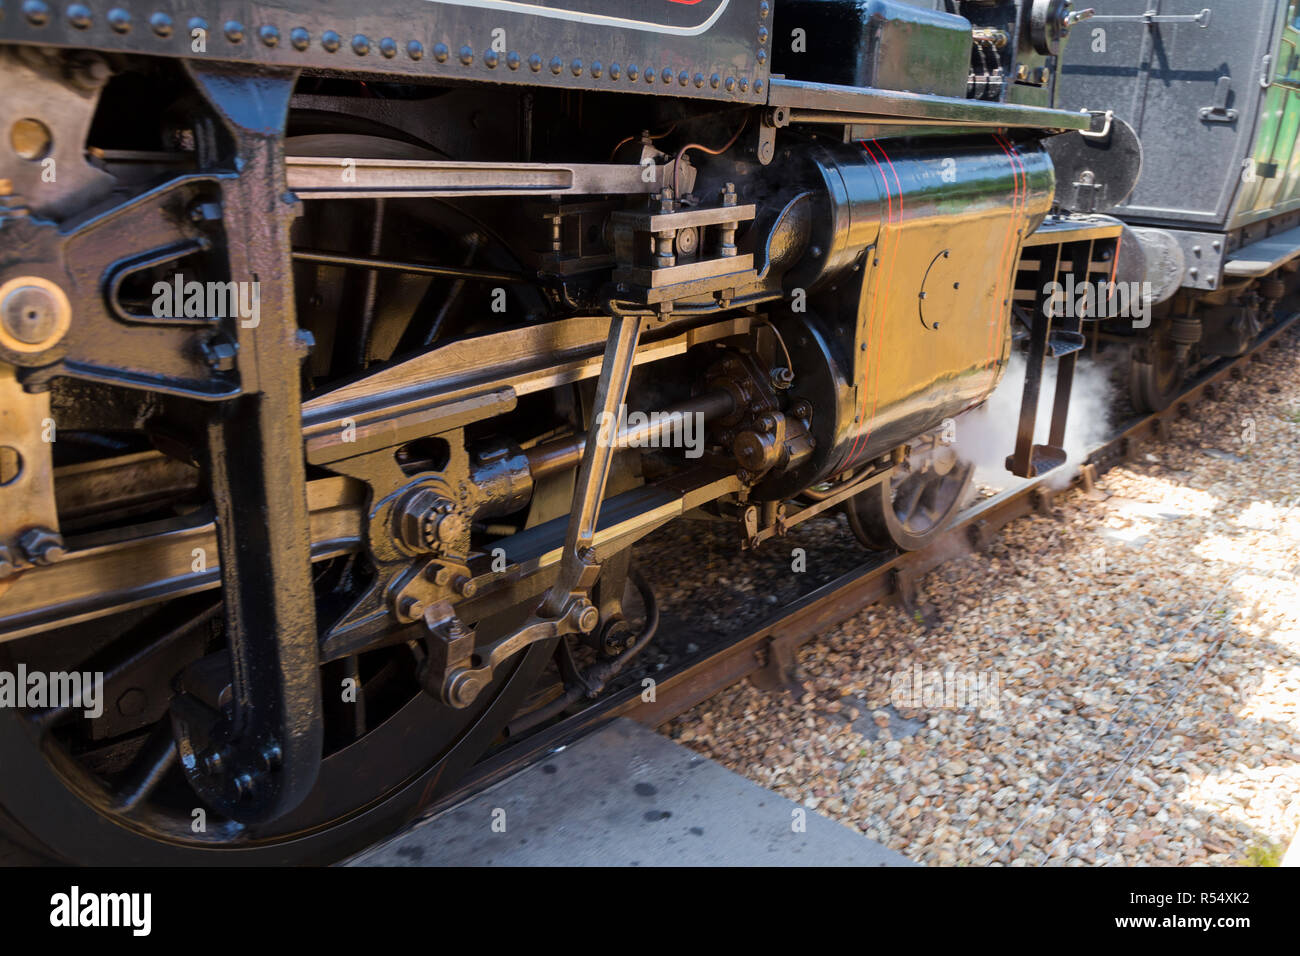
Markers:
point(615, 71)
point(234, 31)
point(37, 13)
point(490, 59)
point(440, 52)
point(331, 41)
point(361, 44)
point(79, 16)
point(744, 84)
point(651, 75)
point(300, 38)
point(556, 65)
point(715, 81)
point(762, 35)
point(763, 10)
point(198, 23)
point(535, 63)
point(597, 69)
point(415, 49)
point(388, 47)
point(119, 20)
point(683, 78)
point(513, 60)
point(269, 35)
point(762, 56)
point(666, 75)
point(466, 55)
point(576, 67)
point(730, 84)
point(633, 71)
point(699, 80)
point(162, 24)
point(758, 86)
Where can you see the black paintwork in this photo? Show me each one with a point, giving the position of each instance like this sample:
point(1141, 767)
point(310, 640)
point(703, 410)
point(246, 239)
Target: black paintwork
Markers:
point(690, 49)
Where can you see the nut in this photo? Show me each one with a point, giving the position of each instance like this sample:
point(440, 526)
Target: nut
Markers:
point(219, 355)
point(42, 546)
point(587, 617)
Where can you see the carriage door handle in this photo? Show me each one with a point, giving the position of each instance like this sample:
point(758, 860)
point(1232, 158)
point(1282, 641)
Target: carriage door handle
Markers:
point(1201, 19)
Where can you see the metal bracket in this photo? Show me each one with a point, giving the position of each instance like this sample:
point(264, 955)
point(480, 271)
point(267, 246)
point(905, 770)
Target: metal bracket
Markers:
point(1218, 111)
point(29, 520)
point(450, 674)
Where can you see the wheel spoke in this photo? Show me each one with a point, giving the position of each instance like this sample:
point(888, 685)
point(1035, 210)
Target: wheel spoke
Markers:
point(908, 504)
point(150, 766)
point(114, 661)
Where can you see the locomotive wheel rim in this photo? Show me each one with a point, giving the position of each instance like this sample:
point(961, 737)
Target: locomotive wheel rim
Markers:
point(68, 815)
point(917, 503)
point(923, 500)
point(1155, 380)
point(424, 746)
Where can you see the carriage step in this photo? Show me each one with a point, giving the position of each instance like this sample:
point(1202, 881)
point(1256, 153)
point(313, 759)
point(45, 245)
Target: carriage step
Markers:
point(1063, 343)
point(1042, 459)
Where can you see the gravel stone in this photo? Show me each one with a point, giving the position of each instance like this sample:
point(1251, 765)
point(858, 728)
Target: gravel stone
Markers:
point(1114, 684)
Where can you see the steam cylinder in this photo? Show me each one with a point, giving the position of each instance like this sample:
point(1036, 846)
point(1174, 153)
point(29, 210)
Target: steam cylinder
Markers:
point(908, 276)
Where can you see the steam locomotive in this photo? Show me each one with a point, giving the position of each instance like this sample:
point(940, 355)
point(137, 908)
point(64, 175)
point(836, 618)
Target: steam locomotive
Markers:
point(319, 328)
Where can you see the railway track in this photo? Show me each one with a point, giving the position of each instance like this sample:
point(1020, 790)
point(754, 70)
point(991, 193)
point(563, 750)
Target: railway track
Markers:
point(766, 653)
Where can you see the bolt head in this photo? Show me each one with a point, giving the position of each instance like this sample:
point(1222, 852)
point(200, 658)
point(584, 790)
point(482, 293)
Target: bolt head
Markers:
point(464, 687)
point(272, 757)
point(214, 762)
point(588, 618)
point(205, 212)
point(219, 355)
point(243, 786)
point(42, 546)
point(30, 314)
point(450, 527)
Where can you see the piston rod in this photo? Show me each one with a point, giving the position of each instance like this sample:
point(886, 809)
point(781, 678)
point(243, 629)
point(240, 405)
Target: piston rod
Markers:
point(564, 453)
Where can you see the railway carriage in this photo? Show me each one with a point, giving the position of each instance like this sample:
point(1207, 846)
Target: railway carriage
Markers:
point(1213, 94)
point(318, 327)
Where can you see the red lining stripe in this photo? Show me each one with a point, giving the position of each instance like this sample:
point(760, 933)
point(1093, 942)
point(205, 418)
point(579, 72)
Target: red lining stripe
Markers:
point(875, 298)
point(871, 372)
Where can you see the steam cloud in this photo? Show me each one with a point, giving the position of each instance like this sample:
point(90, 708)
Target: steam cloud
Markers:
point(987, 435)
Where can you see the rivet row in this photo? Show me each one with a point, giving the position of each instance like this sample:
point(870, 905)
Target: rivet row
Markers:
point(80, 16)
